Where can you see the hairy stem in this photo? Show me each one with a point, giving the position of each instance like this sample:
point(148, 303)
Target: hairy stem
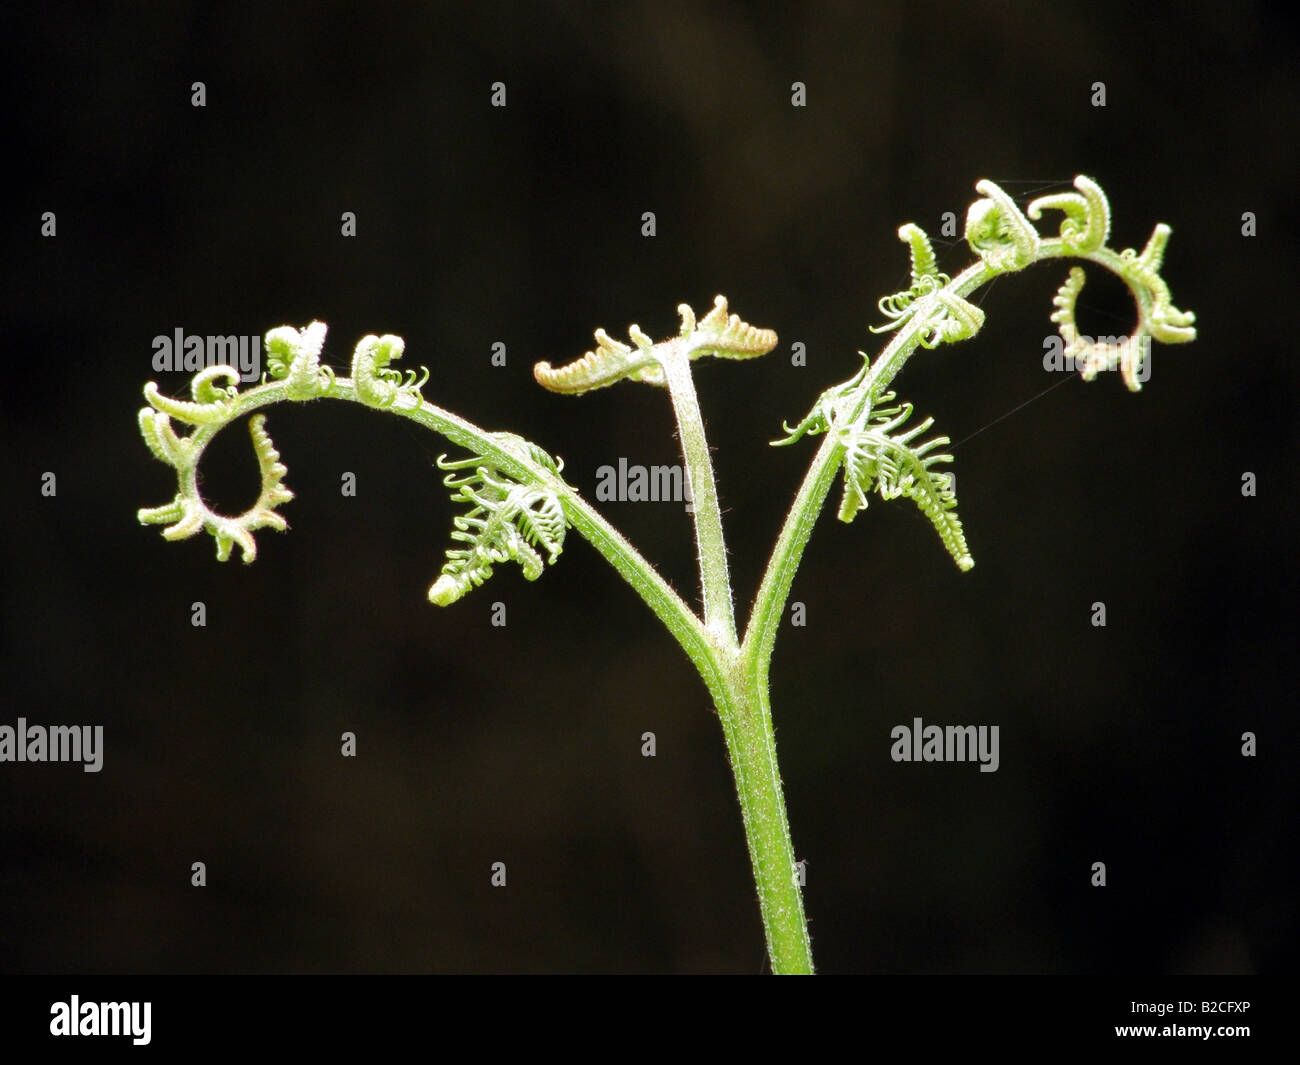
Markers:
point(751, 745)
point(715, 578)
point(743, 709)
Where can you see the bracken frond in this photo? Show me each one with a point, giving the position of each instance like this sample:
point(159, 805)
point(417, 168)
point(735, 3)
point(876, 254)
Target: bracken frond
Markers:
point(507, 522)
point(875, 456)
point(718, 333)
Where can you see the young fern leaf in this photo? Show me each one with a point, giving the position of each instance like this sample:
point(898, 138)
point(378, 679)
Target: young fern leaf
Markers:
point(876, 456)
point(824, 411)
point(1087, 215)
point(293, 356)
point(998, 232)
point(947, 317)
point(212, 404)
point(717, 333)
point(377, 383)
point(1093, 356)
point(187, 514)
point(507, 522)
point(926, 279)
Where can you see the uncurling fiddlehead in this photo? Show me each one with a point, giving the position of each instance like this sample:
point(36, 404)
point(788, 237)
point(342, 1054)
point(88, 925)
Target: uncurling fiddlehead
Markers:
point(293, 360)
point(717, 333)
point(293, 356)
point(934, 310)
point(1158, 318)
point(944, 316)
point(211, 405)
point(1006, 240)
point(926, 279)
point(187, 514)
point(998, 232)
point(507, 522)
point(877, 456)
point(1094, 356)
point(378, 384)
point(1087, 215)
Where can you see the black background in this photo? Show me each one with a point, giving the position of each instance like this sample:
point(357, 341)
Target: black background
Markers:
point(522, 225)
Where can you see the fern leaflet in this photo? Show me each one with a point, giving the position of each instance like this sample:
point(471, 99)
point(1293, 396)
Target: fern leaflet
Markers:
point(877, 456)
point(507, 522)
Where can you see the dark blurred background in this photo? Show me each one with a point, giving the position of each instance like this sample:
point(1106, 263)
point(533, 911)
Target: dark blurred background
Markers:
point(522, 744)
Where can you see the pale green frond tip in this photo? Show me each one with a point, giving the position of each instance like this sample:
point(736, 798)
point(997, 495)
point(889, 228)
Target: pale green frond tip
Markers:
point(212, 404)
point(998, 232)
point(1158, 318)
point(825, 410)
point(875, 456)
point(161, 438)
point(943, 316)
point(293, 356)
point(923, 261)
point(1086, 226)
point(1090, 356)
point(508, 521)
point(187, 514)
point(445, 591)
point(718, 333)
point(1158, 315)
point(376, 382)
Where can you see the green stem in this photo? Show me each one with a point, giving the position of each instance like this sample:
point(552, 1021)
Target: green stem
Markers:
point(751, 744)
point(715, 578)
point(743, 707)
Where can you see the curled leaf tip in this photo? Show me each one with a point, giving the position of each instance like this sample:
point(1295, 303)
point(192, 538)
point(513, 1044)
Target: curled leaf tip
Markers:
point(1086, 226)
point(188, 514)
point(445, 591)
point(376, 381)
point(998, 232)
point(293, 356)
point(212, 404)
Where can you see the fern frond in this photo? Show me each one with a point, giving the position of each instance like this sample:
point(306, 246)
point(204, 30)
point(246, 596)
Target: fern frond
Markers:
point(926, 279)
point(377, 383)
point(212, 404)
point(722, 334)
point(187, 514)
point(875, 456)
point(293, 356)
point(998, 232)
point(718, 333)
point(1086, 226)
point(507, 522)
point(823, 413)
